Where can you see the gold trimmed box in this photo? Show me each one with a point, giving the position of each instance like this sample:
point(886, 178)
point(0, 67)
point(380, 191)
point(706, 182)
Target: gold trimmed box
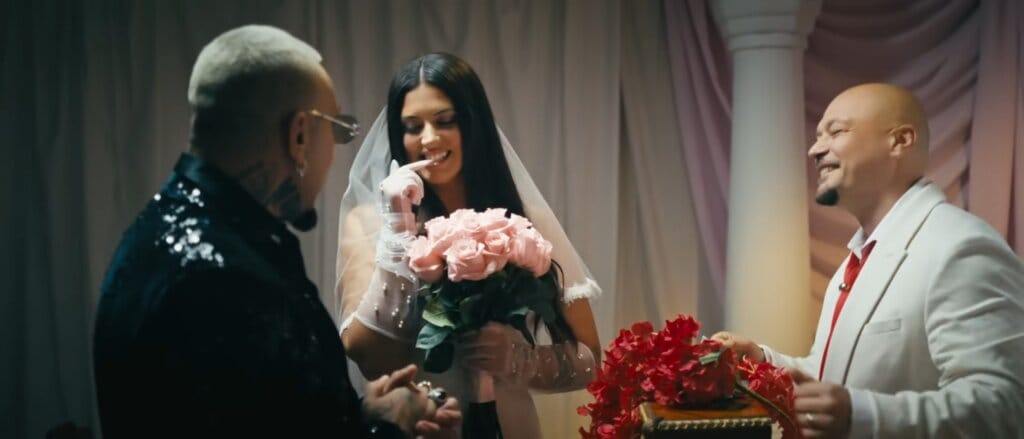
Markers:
point(739, 418)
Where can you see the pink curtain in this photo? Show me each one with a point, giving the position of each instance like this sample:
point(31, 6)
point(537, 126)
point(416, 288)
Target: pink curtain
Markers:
point(963, 58)
point(701, 76)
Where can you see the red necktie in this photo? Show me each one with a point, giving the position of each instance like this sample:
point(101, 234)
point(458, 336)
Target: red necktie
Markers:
point(849, 277)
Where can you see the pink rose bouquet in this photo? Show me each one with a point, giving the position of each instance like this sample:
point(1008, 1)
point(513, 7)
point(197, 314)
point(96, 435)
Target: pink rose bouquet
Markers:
point(479, 267)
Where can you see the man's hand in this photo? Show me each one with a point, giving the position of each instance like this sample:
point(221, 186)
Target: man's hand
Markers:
point(742, 346)
point(823, 409)
point(394, 398)
point(445, 423)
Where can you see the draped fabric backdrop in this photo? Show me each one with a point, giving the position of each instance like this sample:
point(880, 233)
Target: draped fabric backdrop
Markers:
point(963, 58)
point(95, 113)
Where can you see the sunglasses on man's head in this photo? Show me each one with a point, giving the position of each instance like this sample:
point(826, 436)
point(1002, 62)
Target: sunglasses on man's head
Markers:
point(345, 127)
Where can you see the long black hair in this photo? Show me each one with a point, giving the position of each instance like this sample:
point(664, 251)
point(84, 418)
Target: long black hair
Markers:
point(485, 172)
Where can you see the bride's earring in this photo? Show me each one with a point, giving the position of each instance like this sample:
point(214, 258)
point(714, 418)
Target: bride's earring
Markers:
point(301, 169)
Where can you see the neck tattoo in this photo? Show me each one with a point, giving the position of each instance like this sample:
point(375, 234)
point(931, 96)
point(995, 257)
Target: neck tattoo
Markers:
point(285, 200)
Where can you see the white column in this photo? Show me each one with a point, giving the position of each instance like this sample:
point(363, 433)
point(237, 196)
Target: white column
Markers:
point(767, 282)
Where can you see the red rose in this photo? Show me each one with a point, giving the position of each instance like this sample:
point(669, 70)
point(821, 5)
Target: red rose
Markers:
point(666, 367)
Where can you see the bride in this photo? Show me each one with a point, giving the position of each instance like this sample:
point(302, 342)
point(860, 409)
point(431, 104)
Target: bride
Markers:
point(434, 149)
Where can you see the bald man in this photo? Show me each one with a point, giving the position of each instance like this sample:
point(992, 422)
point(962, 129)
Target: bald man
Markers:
point(921, 332)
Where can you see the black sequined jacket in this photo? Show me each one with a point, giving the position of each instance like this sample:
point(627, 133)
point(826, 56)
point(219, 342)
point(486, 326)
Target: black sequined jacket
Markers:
point(208, 326)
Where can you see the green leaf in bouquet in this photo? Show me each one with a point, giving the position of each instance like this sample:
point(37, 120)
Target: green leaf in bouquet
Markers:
point(710, 358)
point(425, 288)
point(431, 335)
point(439, 358)
point(520, 311)
point(434, 313)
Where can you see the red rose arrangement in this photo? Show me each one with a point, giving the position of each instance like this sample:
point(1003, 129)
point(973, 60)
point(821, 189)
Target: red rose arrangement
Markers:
point(668, 368)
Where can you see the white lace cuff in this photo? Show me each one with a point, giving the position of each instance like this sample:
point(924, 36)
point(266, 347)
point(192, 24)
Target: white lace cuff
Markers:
point(389, 307)
point(588, 289)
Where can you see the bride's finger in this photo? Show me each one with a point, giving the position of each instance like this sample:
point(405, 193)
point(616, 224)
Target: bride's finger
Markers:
point(416, 166)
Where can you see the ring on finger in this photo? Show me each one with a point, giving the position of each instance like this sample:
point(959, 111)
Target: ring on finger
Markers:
point(438, 395)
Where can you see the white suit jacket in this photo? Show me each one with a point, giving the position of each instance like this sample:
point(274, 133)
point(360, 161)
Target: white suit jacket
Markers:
point(931, 339)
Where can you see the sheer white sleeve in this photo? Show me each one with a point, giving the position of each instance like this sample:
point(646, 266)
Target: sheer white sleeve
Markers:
point(374, 282)
point(550, 367)
point(562, 367)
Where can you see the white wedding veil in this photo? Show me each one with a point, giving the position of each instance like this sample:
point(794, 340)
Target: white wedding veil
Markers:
point(359, 225)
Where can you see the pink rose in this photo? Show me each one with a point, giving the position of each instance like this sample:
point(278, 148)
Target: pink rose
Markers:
point(441, 232)
point(531, 251)
point(466, 260)
point(494, 220)
point(518, 224)
point(425, 261)
point(497, 248)
point(460, 215)
point(468, 223)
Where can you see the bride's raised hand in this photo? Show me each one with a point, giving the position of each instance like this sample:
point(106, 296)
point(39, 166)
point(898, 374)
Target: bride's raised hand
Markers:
point(387, 317)
point(403, 188)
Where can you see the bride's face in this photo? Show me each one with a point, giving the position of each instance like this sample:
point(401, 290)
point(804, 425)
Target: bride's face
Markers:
point(432, 132)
